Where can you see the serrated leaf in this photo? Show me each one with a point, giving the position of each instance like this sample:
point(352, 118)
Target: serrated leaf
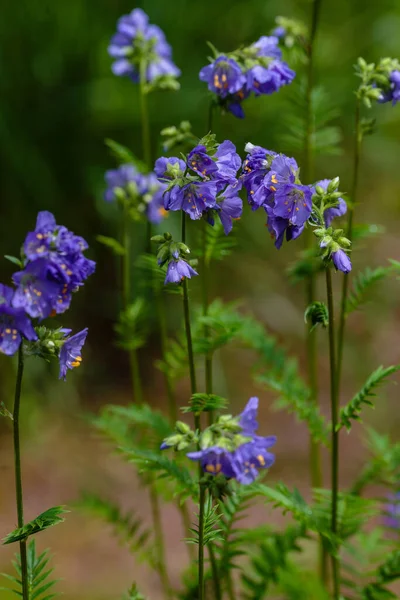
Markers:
point(47, 519)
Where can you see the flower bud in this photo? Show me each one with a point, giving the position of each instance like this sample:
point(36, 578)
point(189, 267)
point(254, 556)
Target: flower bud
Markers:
point(333, 185)
point(182, 427)
point(320, 190)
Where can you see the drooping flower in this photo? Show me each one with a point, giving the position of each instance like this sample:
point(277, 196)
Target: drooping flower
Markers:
point(178, 270)
point(14, 323)
point(256, 166)
point(224, 76)
point(230, 206)
point(278, 227)
point(245, 460)
point(228, 163)
point(38, 289)
point(71, 352)
point(393, 94)
point(268, 45)
point(136, 41)
point(341, 261)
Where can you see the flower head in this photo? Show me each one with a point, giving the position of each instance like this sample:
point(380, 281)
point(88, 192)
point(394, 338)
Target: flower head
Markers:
point(136, 41)
point(193, 198)
point(223, 76)
point(117, 180)
point(178, 270)
point(268, 45)
point(70, 353)
point(14, 323)
point(167, 168)
point(249, 452)
point(293, 202)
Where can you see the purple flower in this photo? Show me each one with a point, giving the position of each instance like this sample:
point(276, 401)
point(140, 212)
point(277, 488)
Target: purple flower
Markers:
point(193, 198)
point(234, 103)
point(255, 167)
point(277, 226)
point(215, 460)
point(341, 261)
point(228, 162)
point(268, 46)
point(249, 458)
point(223, 76)
point(135, 40)
point(70, 353)
point(177, 270)
point(392, 518)
point(161, 166)
point(118, 179)
point(393, 94)
point(38, 288)
point(283, 72)
point(279, 32)
point(13, 323)
point(269, 79)
point(198, 160)
point(293, 202)
point(155, 209)
point(230, 206)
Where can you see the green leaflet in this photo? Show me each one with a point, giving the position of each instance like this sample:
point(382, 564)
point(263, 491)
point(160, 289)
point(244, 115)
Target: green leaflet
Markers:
point(364, 280)
point(47, 519)
point(351, 412)
point(123, 155)
point(39, 579)
point(114, 245)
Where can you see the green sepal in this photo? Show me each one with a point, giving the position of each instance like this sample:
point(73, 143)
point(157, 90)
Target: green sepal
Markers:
point(48, 518)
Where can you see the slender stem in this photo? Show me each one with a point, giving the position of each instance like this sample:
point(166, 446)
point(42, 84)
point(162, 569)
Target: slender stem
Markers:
point(215, 574)
point(312, 354)
point(186, 315)
point(172, 405)
point(146, 136)
point(210, 116)
point(201, 542)
point(18, 476)
point(345, 284)
point(159, 545)
point(335, 434)
point(126, 297)
point(204, 288)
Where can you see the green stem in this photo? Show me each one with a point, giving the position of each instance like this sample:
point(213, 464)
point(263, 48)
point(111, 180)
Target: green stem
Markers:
point(334, 433)
point(312, 354)
point(18, 476)
point(159, 545)
point(146, 137)
point(126, 297)
point(215, 574)
point(172, 405)
point(345, 284)
point(201, 542)
point(205, 265)
point(197, 422)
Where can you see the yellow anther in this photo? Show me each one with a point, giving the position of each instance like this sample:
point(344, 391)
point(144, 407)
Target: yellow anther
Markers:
point(218, 467)
point(39, 236)
point(210, 468)
point(261, 460)
point(75, 364)
point(273, 188)
point(8, 330)
point(274, 179)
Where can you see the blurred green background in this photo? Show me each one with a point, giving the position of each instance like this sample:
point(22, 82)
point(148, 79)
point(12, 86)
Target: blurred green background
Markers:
point(58, 101)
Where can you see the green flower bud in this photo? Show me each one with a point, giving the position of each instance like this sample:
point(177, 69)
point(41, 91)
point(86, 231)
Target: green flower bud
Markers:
point(320, 190)
point(182, 427)
point(167, 236)
point(333, 185)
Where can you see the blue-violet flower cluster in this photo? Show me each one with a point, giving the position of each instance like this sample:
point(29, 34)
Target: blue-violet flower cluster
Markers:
point(142, 193)
point(204, 185)
point(137, 42)
point(244, 462)
point(257, 69)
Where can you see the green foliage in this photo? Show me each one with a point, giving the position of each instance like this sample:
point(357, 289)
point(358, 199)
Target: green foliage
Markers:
point(152, 277)
point(14, 260)
point(39, 579)
point(167, 470)
point(200, 403)
point(133, 325)
point(384, 465)
point(299, 584)
point(309, 263)
point(218, 245)
point(325, 138)
point(364, 281)
point(351, 412)
point(317, 314)
point(388, 572)
point(4, 412)
point(127, 527)
point(48, 518)
point(123, 155)
point(211, 530)
point(115, 246)
point(269, 561)
point(364, 230)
